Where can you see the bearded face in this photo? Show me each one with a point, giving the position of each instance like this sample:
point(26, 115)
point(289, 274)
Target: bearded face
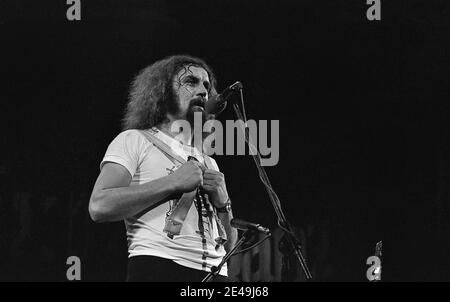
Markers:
point(191, 89)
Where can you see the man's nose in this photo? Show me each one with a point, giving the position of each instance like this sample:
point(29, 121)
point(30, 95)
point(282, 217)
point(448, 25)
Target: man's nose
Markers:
point(202, 92)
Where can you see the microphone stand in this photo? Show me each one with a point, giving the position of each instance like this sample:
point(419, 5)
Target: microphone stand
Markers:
point(282, 221)
point(216, 269)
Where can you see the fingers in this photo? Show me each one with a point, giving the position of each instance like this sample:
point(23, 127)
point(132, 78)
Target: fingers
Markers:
point(198, 164)
point(196, 172)
point(209, 173)
point(200, 172)
point(208, 187)
point(213, 180)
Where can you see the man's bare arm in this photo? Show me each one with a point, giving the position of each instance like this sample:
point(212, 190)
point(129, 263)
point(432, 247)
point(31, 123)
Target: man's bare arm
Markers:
point(225, 218)
point(113, 199)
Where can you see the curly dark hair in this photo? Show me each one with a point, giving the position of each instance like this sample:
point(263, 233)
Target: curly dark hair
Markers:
point(151, 94)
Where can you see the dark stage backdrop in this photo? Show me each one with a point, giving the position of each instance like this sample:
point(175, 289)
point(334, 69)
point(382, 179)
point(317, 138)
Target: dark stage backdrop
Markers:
point(363, 110)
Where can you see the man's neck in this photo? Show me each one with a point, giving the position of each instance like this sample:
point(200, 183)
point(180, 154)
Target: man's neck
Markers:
point(183, 136)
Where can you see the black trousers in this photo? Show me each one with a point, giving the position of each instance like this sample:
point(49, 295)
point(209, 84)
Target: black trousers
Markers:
point(156, 269)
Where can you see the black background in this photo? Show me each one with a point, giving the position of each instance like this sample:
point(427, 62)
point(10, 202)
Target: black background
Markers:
point(363, 110)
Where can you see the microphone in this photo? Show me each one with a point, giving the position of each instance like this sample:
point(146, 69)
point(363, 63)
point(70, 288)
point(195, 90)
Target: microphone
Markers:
point(217, 103)
point(245, 225)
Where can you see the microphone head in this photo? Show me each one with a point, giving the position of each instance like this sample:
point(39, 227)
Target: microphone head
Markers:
point(245, 226)
point(237, 85)
point(215, 105)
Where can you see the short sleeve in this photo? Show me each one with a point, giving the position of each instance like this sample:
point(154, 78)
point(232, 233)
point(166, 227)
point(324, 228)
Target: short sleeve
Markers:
point(126, 150)
point(211, 163)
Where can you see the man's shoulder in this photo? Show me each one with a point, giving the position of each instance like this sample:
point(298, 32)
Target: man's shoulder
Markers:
point(131, 134)
point(134, 137)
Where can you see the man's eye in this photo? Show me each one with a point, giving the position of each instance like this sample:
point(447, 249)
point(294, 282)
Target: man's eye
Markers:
point(190, 81)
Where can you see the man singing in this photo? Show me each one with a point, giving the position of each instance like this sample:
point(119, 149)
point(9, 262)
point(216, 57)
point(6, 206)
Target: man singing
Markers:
point(171, 195)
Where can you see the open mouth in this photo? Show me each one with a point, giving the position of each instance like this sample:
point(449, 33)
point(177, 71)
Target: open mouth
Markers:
point(198, 102)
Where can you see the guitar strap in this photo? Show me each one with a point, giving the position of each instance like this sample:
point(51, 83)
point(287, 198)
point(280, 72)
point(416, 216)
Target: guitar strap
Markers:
point(176, 217)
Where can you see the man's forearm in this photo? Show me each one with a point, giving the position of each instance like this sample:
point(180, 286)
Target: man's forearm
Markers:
point(225, 218)
point(116, 204)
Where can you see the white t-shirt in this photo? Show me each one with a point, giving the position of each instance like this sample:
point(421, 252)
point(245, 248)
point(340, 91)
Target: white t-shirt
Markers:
point(145, 235)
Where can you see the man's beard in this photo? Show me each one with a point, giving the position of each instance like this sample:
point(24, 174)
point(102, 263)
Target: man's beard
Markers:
point(197, 108)
point(194, 111)
point(195, 115)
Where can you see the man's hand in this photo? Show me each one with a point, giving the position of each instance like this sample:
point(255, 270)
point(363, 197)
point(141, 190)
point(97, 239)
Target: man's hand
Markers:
point(188, 177)
point(214, 185)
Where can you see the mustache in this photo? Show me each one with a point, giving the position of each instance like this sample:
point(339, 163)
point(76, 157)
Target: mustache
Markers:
point(198, 101)
point(201, 102)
